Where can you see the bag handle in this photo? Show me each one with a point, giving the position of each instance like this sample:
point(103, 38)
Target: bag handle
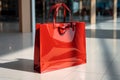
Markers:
point(62, 30)
point(65, 8)
point(54, 7)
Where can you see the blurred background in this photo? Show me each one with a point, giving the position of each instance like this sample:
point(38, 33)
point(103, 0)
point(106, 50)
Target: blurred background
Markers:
point(13, 12)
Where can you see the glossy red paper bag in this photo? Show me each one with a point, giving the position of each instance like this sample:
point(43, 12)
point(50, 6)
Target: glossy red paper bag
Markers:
point(59, 45)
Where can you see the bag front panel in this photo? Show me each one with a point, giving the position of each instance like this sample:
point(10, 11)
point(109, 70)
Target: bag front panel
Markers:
point(55, 49)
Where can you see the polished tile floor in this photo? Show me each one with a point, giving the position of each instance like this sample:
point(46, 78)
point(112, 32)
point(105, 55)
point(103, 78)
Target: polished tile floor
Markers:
point(103, 58)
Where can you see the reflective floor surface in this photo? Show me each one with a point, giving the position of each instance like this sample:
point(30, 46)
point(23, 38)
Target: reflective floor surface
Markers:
point(103, 58)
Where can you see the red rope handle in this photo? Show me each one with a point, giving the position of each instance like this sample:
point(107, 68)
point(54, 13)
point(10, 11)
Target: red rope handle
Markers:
point(57, 9)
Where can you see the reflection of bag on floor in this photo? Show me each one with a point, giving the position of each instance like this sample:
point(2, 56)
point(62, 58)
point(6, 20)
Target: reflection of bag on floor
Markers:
point(59, 45)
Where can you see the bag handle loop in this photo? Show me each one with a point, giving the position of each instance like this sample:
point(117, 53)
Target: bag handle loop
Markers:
point(65, 8)
point(54, 7)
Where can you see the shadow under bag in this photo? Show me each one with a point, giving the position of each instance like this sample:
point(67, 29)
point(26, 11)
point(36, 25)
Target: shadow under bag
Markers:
point(59, 45)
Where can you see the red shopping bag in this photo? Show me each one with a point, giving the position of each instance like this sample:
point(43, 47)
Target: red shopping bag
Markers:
point(59, 45)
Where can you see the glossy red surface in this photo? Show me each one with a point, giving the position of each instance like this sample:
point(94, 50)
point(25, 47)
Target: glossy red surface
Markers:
point(59, 45)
